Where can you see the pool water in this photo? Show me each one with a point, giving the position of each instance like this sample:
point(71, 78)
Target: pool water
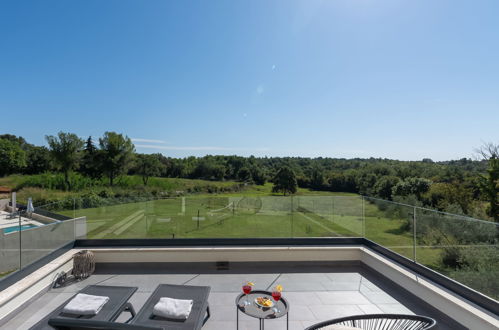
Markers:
point(16, 228)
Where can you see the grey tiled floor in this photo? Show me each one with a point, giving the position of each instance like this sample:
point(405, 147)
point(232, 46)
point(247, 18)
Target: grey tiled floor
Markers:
point(314, 295)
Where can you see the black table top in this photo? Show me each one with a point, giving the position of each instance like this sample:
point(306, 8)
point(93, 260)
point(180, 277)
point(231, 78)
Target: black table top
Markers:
point(258, 312)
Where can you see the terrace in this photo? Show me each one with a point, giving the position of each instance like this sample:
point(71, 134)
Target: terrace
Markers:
point(335, 256)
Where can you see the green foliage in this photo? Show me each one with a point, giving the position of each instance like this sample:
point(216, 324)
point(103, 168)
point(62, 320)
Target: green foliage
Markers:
point(12, 157)
point(148, 166)
point(384, 186)
point(116, 153)
point(317, 178)
point(477, 267)
point(244, 175)
point(57, 181)
point(65, 152)
point(414, 186)
point(37, 160)
point(490, 186)
point(90, 161)
point(442, 196)
point(464, 185)
point(285, 181)
point(258, 175)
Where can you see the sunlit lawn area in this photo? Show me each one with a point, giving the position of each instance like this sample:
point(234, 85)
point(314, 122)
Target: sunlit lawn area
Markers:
point(229, 216)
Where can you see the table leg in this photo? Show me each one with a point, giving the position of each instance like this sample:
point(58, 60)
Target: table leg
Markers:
point(237, 318)
point(287, 321)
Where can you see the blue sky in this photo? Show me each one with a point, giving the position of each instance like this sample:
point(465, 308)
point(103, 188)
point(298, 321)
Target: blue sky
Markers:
point(352, 78)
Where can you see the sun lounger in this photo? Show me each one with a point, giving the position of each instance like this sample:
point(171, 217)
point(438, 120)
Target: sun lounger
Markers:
point(145, 318)
point(118, 303)
point(82, 324)
point(200, 311)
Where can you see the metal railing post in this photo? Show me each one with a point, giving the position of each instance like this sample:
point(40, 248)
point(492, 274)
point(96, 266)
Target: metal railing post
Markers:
point(414, 244)
point(20, 241)
point(363, 217)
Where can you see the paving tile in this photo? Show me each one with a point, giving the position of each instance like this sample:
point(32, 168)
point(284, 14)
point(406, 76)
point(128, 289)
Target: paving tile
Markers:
point(370, 309)
point(306, 324)
point(147, 283)
point(300, 313)
point(37, 310)
point(379, 297)
point(78, 285)
point(222, 298)
point(342, 298)
point(344, 277)
point(233, 282)
point(341, 286)
point(327, 312)
point(365, 283)
point(302, 298)
point(218, 325)
point(394, 309)
point(303, 282)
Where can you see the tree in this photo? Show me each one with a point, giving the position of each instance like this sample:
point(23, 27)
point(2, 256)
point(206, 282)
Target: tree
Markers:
point(12, 157)
point(244, 174)
point(16, 139)
point(489, 183)
point(414, 186)
point(258, 175)
point(317, 178)
point(117, 153)
point(148, 166)
point(285, 181)
point(90, 162)
point(37, 160)
point(65, 151)
point(384, 186)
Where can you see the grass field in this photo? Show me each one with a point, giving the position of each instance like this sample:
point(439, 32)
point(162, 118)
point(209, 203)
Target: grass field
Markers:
point(248, 216)
point(257, 215)
point(230, 216)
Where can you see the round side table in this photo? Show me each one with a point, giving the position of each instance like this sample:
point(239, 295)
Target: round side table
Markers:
point(258, 312)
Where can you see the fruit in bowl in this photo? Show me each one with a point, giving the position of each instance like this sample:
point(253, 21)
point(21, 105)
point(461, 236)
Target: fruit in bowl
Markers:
point(264, 302)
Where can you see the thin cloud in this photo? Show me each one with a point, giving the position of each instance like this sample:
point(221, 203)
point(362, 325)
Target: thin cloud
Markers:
point(147, 140)
point(200, 148)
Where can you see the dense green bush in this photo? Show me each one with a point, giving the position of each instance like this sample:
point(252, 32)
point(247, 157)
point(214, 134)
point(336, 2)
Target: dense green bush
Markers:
point(56, 181)
point(478, 268)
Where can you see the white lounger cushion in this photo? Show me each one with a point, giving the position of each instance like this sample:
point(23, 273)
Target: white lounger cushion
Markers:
point(173, 308)
point(85, 304)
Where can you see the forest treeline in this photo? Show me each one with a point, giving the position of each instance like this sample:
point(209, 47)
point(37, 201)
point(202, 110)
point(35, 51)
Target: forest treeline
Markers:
point(463, 186)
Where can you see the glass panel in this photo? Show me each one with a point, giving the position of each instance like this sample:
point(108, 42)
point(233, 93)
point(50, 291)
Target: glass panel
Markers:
point(44, 230)
point(327, 216)
point(115, 221)
point(462, 248)
point(347, 215)
point(9, 243)
point(162, 217)
point(390, 225)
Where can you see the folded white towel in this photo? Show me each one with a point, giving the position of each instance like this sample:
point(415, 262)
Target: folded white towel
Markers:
point(173, 308)
point(85, 304)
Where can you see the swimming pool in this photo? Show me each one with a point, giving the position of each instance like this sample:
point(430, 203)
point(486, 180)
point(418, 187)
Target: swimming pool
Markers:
point(16, 228)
